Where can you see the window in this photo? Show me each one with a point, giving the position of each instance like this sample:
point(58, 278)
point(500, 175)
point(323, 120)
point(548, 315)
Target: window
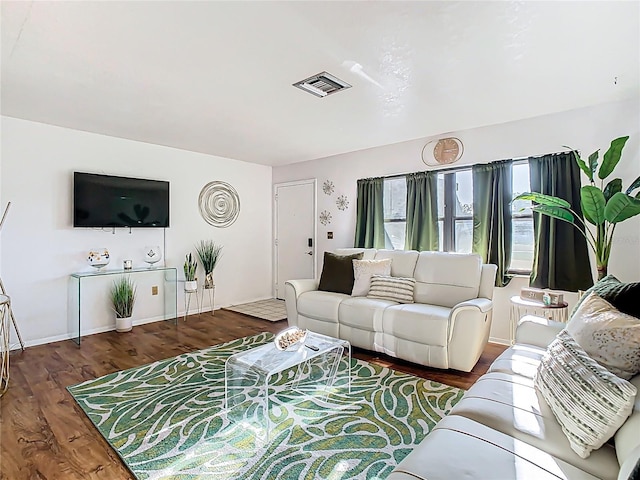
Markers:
point(455, 214)
point(455, 211)
point(522, 221)
point(395, 212)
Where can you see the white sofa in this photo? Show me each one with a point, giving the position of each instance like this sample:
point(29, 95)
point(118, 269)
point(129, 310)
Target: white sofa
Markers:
point(503, 429)
point(447, 326)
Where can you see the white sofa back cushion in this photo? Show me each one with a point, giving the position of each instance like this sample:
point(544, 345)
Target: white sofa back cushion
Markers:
point(367, 253)
point(403, 262)
point(446, 279)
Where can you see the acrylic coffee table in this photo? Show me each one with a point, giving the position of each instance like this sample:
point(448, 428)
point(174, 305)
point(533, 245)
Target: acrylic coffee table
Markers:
point(252, 377)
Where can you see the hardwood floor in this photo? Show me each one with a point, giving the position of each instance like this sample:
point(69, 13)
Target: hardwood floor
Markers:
point(45, 435)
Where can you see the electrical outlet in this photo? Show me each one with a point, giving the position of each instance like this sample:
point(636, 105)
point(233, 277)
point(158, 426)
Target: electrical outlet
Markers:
point(154, 290)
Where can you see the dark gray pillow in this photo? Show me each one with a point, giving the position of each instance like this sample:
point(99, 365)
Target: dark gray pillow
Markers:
point(337, 273)
point(623, 296)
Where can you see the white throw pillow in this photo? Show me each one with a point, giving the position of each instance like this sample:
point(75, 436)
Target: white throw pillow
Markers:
point(589, 402)
point(363, 270)
point(396, 289)
point(610, 337)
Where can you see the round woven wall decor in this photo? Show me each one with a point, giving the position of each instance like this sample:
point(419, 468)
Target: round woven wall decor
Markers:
point(219, 204)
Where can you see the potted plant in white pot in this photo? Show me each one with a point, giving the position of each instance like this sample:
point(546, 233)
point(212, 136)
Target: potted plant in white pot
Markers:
point(123, 296)
point(209, 253)
point(190, 266)
point(603, 206)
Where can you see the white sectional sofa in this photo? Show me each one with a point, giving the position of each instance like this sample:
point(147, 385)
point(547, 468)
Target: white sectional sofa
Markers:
point(504, 430)
point(447, 326)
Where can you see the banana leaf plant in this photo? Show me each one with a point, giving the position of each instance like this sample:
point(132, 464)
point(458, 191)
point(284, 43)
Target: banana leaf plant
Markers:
point(603, 206)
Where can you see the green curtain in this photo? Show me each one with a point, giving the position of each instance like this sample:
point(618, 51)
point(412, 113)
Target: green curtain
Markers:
point(422, 212)
point(370, 214)
point(492, 229)
point(561, 256)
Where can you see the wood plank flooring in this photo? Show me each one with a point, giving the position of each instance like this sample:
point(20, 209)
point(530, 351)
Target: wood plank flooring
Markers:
point(45, 435)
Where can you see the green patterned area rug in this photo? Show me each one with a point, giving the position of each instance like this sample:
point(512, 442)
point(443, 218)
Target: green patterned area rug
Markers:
point(166, 421)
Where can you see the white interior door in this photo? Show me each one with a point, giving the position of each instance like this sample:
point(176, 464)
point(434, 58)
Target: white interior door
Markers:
point(295, 232)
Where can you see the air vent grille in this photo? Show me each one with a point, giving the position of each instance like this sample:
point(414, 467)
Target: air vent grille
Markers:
point(322, 84)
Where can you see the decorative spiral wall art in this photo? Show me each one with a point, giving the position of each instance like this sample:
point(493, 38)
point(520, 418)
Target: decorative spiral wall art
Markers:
point(219, 204)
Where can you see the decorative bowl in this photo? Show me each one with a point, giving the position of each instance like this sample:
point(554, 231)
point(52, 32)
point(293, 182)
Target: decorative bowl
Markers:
point(98, 257)
point(290, 339)
point(152, 254)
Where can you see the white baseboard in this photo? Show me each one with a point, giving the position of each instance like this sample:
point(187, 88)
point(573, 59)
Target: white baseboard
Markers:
point(500, 341)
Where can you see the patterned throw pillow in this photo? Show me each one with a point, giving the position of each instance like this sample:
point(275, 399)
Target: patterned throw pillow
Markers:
point(337, 273)
point(610, 337)
point(589, 402)
point(623, 296)
point(363, 270)
point(396, 289)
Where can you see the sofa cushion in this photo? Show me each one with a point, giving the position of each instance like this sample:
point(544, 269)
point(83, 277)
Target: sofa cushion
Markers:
point(518, 360)
point(395, 289)
point(363, 270)
point(627, 437)
point(427, 324)
point(364, 313)
point(337, 273)
point(610, 337)
point(623, 296)
point(321, 305)
point(589, 402)
point(459, 448)
point(446, 279)
point(403, 262)
point(510, 404)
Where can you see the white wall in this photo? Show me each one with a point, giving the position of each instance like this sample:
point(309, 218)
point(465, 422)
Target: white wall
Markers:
point(40, 248)
point(585, 129)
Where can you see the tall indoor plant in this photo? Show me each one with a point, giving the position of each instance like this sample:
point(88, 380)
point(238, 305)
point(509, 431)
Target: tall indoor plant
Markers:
point(209, 253)
point(123, 296)
point(603, 206)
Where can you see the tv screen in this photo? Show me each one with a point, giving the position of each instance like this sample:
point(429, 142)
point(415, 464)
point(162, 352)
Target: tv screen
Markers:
point(108, 201)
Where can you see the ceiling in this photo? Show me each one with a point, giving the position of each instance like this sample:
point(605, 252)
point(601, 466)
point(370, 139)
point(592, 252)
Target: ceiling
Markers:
point(216, 77)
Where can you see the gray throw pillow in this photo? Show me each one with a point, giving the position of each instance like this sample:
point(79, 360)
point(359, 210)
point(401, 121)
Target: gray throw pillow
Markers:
point(623, 296)
point(337, 273)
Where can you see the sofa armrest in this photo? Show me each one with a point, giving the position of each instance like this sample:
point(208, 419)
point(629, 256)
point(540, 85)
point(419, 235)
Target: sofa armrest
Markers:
point(292, 290)
point(482, 304)
point(537, 331)
point(469, 325)
point(301, 286)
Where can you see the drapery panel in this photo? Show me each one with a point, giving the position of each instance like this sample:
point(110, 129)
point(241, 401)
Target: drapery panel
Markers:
point(422, 211)
point(561, 255)
point(492, 227)
point(370, 214)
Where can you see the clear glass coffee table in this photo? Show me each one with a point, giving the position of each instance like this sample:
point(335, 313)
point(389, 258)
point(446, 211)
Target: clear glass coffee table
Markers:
point(252, 377)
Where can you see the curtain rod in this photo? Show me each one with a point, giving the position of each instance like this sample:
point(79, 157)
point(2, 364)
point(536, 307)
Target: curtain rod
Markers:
point(465, 167)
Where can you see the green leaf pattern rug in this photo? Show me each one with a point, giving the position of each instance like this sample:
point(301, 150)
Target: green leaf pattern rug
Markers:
point(166, 420)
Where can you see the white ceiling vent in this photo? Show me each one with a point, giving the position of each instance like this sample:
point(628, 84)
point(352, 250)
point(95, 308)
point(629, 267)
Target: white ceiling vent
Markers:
point(322, 84)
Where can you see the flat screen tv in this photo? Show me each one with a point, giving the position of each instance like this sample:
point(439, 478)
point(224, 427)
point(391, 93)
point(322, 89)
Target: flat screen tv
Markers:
point(109, 201)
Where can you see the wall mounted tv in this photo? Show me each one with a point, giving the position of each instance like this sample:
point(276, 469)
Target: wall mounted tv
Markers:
point(108, 201)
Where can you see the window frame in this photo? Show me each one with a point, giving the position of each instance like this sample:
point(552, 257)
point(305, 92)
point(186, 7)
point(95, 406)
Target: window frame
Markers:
point(450, 215)
point(393, 220)
point(518, 271)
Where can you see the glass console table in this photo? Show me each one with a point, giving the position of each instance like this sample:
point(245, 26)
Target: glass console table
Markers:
point(78, 280)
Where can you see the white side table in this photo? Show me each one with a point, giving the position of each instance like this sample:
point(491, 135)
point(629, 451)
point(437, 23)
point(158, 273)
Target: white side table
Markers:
point(521, 307)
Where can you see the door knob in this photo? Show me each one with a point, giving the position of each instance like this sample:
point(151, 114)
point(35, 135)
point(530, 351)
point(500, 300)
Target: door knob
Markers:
point(309, 252)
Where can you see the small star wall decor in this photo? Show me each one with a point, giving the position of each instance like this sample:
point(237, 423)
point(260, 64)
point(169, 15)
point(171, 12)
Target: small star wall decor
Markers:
point(325, 217)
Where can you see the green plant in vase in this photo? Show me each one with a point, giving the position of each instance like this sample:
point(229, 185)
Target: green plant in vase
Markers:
point(603, 205)
point(190, 267)
point(123, 297)
point(209, 253)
